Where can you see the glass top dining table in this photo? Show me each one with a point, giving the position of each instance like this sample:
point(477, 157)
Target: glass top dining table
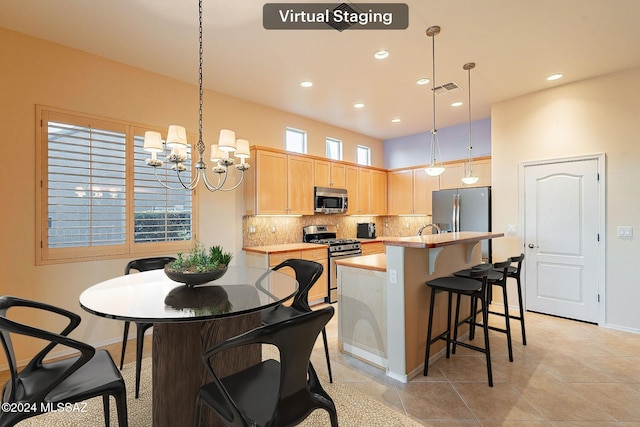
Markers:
point(152, 297)
point(188, 321)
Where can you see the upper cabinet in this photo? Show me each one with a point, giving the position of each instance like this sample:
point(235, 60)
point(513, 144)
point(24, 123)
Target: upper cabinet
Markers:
point(423, 185)
point(263, 189)
point(351, 184)
point(329, 174)
point(409, 192)
point(279, 184)
point(370, 191)
point(300, 185)
point(452, 175)
point(378, 193)
point(482, 169)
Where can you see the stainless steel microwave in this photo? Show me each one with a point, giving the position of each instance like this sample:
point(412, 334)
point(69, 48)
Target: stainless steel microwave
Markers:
point(330, 200)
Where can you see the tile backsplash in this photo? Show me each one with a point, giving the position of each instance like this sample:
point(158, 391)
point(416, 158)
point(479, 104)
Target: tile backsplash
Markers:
point(273, 230)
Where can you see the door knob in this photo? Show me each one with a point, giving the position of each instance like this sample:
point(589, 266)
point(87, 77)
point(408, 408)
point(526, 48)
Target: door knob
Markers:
point(531, 246)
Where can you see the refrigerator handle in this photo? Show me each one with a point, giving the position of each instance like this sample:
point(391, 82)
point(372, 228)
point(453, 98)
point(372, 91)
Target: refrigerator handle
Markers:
point(457, 212)
point(453, 214)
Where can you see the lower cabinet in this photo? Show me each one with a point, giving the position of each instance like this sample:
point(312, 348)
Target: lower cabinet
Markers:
point(320, 289)
point(369, 248)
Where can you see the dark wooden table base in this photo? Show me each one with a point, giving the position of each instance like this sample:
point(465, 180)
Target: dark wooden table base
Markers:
point(178, 371)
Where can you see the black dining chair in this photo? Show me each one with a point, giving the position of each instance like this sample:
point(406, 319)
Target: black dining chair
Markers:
point(42, 386)
point(271, 393)
point(307, 274)
point(142, 264)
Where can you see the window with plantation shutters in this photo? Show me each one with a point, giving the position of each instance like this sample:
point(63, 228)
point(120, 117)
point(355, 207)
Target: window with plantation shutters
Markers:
point(98, 198)
point(160, 214)
point(86, 185)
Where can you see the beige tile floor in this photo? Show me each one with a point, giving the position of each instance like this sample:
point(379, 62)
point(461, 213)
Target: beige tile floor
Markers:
point(569, 374)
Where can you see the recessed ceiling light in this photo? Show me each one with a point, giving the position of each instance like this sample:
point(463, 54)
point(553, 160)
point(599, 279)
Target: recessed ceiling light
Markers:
point(423, 81)
point(381, 54)
point(555, 76)
point(395, 120)
point(456, 104)
point(306, 84)
point(358, 105)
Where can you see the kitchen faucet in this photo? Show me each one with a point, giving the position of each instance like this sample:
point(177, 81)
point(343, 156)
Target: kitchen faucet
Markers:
point(435, 227)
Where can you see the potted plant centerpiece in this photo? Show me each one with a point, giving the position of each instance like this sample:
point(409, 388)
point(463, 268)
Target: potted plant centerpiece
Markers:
point(202, 265)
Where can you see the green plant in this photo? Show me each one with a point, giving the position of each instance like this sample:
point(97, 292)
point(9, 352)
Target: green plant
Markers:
point(201, 260)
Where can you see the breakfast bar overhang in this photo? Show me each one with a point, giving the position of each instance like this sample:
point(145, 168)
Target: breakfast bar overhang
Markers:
point(411, 261)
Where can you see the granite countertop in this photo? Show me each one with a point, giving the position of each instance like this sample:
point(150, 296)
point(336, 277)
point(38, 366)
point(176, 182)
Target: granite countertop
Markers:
point(284, 247)
point(376, 262)
point(439, 240)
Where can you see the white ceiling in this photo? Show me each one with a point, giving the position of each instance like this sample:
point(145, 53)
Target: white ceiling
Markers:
point(516, 44)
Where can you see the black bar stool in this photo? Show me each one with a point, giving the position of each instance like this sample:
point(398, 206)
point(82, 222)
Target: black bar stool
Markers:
point(497, 275)
point(513, 271)
point(474, 286)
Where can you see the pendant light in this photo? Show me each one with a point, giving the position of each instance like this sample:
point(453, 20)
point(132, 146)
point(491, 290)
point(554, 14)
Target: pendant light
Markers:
point(435, 167)
point(469, 177)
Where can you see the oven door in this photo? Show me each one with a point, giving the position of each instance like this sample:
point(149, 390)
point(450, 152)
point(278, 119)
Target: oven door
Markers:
point(333, 271)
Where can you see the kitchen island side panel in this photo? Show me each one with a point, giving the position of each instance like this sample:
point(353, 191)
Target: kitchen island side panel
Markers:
point(409, 303)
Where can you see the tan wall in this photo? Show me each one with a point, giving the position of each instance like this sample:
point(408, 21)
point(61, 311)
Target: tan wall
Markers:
point(38, 72)
point(592, 116)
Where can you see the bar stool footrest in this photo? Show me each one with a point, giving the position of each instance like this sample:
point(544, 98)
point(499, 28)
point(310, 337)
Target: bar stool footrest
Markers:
point(470, 346)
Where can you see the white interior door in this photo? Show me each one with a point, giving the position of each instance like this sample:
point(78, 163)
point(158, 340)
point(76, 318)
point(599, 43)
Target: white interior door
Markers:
point(561, 226)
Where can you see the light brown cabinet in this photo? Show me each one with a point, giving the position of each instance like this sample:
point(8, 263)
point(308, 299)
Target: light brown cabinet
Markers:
point(453, 173)
point(329, 174)
point(482, 169)
point(299, 185)
point(319, 291)
point(279, 184)
point(369, 248)
point(400, 187)
point(364, 185)
point(423, 186)
point(265, 183)
point(452, 176)
point(410, 192)
point(371, 192)
point(351, 184)
point(378, 193)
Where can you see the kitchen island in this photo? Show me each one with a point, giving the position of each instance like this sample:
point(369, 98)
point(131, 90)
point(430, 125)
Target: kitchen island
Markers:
point(362, 308)
point(401, 326)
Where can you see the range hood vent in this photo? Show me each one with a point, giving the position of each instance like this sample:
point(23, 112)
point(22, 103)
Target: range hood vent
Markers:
point(446, 88)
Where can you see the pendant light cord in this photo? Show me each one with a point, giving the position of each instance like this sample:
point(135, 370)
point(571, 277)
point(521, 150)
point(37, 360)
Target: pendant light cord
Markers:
point(433, 79)
point(469, 147)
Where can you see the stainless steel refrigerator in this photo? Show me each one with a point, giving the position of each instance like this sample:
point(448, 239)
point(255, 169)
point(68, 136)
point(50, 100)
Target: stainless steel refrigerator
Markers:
point(464, 209)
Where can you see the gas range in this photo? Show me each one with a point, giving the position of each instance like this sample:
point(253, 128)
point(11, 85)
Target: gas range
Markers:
point(326, 235)
point(338, 248)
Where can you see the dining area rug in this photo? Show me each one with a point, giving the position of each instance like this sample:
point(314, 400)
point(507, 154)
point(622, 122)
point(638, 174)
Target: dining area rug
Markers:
point(354, 408)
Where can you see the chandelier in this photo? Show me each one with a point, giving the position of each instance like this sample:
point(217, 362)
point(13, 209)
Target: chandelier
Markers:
point(469, 177)
point(435, 167)
point(176, 142)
